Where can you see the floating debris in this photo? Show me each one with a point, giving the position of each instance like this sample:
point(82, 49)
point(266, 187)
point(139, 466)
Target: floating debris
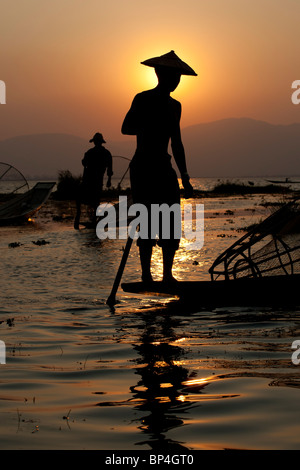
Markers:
point(40, 242)
point(67, 416)
point(223, 235)
point(14, 244)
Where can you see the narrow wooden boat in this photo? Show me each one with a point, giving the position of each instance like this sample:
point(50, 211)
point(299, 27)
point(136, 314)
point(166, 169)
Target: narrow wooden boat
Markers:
point(23, 206)
point(286, 181)
point(275, 291)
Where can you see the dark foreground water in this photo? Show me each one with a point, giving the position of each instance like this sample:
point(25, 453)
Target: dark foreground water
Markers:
point(150, 373)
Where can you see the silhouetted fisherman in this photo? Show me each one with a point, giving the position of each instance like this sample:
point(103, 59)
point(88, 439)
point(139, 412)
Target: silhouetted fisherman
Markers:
point(154, 117)
point(96, 162)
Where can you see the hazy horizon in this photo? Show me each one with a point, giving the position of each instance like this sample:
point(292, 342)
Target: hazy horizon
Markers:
point(223, 148)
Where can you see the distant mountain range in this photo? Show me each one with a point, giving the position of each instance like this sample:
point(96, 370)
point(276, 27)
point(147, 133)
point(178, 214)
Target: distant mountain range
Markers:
point(242, 147)
point(43, 156)
point(225, 148)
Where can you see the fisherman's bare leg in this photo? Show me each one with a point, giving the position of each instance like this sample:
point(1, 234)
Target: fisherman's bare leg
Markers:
point(168, 259)
point(145, 259)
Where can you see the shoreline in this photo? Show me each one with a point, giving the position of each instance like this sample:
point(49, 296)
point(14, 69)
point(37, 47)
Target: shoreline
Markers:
point(222, 190)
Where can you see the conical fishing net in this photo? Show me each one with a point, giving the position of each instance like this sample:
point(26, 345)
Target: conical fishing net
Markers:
point(11, 180)
point(272, 248)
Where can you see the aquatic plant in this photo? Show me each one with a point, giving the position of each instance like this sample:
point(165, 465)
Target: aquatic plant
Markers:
point(230, 187)
point(67, 186)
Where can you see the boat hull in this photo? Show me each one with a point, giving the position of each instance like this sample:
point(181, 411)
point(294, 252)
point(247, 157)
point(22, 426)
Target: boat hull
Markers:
point(264, 291)
point(23, 206)
point(283, 182)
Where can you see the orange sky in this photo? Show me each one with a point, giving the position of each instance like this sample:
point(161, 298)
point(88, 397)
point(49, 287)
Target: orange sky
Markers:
point(73, 66)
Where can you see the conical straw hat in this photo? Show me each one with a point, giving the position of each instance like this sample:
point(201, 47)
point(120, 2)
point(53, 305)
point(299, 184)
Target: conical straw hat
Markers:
point(170, 60)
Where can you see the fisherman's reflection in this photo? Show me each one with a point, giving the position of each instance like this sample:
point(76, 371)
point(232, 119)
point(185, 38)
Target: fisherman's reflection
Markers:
point(160, 390)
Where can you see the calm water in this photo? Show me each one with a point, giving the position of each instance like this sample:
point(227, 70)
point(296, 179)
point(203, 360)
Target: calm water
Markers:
point(148, 374)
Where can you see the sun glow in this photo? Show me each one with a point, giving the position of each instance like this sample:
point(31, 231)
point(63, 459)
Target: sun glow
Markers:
point(140, 77)
point(146, 79)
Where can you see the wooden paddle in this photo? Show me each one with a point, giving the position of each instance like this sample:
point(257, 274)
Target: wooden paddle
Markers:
point(112, 298)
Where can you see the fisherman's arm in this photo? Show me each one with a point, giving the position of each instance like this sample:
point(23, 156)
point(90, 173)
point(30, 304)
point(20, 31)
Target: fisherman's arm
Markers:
point(84, 161)
point(130, 123)
point(179, 156)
